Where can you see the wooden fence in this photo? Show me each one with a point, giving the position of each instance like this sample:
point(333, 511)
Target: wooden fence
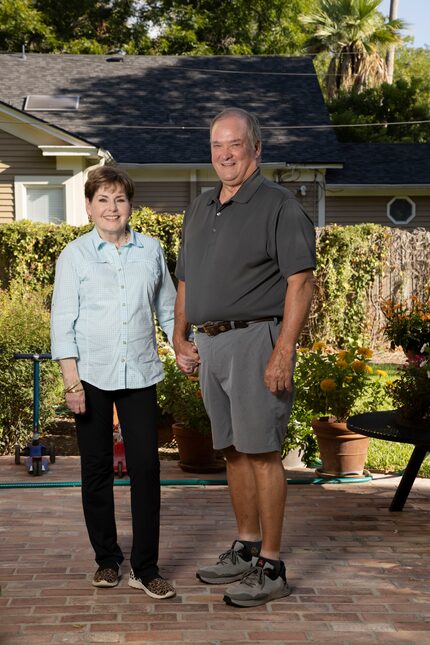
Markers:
point(406, 272)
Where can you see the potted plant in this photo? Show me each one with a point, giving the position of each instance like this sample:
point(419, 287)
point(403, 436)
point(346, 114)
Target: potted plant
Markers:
point(299, 447)
point(180, 396)
point(334, 384)
point(408, 323)
point(411, 390)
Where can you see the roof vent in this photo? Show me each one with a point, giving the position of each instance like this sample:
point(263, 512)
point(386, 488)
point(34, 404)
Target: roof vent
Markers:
point(51, 103)
point(116, 56)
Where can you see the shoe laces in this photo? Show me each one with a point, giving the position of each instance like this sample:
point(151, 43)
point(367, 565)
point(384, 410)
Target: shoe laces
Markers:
point(255, 576)
point(229, 556)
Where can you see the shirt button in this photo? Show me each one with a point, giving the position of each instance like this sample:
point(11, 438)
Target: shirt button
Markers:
point(122, 286)
point(124, 323)
point(214, 230)
point(124, 342)
point(123, 360)
point(119, 252)
point(123, 304)
point(218, 214)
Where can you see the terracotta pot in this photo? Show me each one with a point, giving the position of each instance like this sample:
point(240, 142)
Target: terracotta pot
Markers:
point(342, 451)
point(196, 453)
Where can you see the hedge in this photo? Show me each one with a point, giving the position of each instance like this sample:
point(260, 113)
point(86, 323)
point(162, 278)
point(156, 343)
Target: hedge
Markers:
point(24, 328)
point(30, 249)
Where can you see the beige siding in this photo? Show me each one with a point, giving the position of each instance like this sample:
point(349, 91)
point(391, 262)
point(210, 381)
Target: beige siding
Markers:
point(17, 157)
point(356, 210)
point(308, 201)
point(166, 197)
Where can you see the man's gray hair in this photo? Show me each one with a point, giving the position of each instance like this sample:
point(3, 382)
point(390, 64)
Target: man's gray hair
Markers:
point(252, 125)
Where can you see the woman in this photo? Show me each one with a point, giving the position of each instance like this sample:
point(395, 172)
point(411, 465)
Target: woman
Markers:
point(108, 285)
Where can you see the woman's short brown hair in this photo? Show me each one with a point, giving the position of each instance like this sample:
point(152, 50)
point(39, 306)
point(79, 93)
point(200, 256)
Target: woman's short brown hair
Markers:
point(108, 175)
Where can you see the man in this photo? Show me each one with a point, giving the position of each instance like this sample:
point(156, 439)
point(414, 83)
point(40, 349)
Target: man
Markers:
point(246, 260)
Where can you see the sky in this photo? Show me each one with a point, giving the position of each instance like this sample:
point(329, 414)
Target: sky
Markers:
point(417, 14)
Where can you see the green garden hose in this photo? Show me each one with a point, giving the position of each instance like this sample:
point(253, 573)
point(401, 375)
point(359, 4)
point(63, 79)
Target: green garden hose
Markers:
point(188, 482)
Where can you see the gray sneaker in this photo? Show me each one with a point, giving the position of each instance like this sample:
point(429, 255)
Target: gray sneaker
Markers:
point(230, 567)
point(258, 586)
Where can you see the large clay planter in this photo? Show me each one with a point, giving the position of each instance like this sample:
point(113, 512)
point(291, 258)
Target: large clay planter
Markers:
point(343, 452)
point(196, 453)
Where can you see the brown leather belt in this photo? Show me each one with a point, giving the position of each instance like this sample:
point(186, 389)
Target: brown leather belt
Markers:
point(212, 328)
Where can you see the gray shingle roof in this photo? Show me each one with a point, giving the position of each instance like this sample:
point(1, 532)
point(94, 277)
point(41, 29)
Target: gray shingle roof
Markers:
point(383, 163)
point(146, 109)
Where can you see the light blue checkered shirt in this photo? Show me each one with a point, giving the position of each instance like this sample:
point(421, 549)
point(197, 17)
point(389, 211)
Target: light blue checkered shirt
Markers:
point(103, 310)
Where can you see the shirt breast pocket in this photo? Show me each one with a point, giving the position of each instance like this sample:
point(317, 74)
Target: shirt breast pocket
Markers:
point(143, 276)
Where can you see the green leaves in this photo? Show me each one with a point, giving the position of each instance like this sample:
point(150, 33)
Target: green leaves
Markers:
point(24, 328)
point(348, 260)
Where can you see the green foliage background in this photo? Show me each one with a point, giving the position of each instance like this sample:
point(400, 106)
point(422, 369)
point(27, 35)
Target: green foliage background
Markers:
point(24, 328)
point(348, 259)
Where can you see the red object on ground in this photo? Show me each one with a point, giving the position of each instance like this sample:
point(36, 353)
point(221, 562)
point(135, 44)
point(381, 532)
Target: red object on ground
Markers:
point(119, 463)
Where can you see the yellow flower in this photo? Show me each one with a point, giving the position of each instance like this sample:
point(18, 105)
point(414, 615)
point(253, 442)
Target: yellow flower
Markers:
point(341, 362)
point(303, 350)
point(359, 366)
point(368, 369)
point(327, 385)
point(342, 354)
point(319, 344)
point(382, 373)
point(365, 351)
point(348, 379)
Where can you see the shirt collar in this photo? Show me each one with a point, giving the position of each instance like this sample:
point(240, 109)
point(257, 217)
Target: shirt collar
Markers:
point(245, 192)
point(100, 243)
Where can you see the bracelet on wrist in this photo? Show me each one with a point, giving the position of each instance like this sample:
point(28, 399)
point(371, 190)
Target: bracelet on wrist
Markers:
point(72, 386)
point(81, 389)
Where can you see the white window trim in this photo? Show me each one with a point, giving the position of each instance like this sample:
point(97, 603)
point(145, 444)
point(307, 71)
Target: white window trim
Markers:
point(24, 182)
point(408, 199)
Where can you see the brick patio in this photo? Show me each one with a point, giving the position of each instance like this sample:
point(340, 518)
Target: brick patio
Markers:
point(359, 573)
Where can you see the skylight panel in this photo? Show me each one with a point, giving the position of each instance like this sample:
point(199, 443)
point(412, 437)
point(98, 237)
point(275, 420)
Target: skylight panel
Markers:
point(51, 103)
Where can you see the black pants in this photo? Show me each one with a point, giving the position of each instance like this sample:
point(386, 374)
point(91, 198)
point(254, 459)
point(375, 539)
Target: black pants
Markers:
point(137, 412)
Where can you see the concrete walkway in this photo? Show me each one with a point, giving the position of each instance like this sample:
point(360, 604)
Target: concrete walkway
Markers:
point(359, 573)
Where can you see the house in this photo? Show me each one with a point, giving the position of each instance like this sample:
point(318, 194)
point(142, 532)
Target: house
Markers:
point(60, 115)
point(383, 183)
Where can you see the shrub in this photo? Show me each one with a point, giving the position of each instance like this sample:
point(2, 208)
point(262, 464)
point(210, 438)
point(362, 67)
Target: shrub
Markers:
point(408, 325)
point(24, 328)
point(299, 433)
point(348, 260)
point(30, 249)
point(164, 226)
point(180, 396)
point(411, 389)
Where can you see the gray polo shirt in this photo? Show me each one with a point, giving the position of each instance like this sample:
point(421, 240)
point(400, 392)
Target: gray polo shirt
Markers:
point(235, 258)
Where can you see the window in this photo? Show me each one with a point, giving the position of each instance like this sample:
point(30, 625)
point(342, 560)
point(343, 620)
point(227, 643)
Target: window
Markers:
point(401, 210)
point(45, 204)
point(41, 199)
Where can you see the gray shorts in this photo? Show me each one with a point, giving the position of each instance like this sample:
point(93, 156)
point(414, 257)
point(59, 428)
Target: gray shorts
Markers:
point(243, 412)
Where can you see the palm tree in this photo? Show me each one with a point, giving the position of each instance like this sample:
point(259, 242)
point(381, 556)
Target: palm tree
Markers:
point(356, 35)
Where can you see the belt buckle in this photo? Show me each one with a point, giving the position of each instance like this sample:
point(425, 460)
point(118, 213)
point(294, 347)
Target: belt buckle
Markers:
point(210, 328)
